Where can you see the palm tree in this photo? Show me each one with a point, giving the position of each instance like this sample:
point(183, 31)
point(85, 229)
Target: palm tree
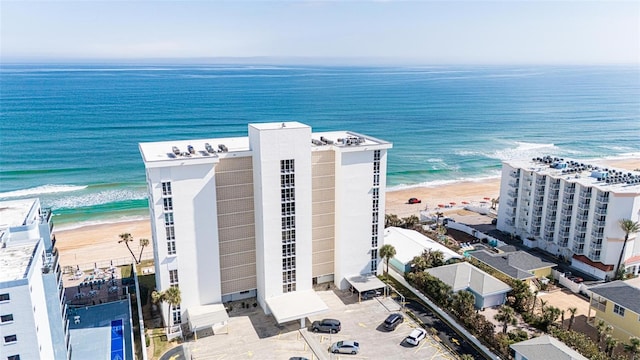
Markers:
point(439, 214)
point(387, 252)
point(507, 316)
point(572, 319)
point(126, 238)
point(633, 347)
point(494, 202)
point(392, 220)
point(410, 221)
point(601, 327)
point(171, 296)
point(543, 303)
point(143, 243)
point(419, 263)
point(463, 303)
point(610, 344)
point(628, 226)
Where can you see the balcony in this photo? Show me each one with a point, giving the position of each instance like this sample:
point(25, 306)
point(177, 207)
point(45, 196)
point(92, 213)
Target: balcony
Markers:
point(567, 200)
point(515, 174)
point(566, 212)
point(550, 217)
point(603, 199)
point(554, 185)
point(596, 233)
point(565, 223)
point(538, 202)
point(585, 192)
point(510, 222)
point(595, 246)
point(536, 231)
point(563, 241)
point(579, 239)
point(599, 223)
point(553, 195)
point(563, 232)
point(514, 183)
point(541, 181)
point(513, 193)
point(594, 255)
point(581, 228)
point(512, 203)
point(549, 228)
point(601, 211)
point(578, 248)
point(548, 237)
point(570, 189)
point(582, 216)
point(584, 205)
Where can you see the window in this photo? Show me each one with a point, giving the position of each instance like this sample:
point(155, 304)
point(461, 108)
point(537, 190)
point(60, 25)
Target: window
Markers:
point(173, 277)
point(288, 208)
point(10, 339)
point(166, 189)
point(286, 166)
point(376, 155)
point(617, 309)
point(288, 222)
point(288, 236)
point(170, 232)
point(168, 204)
point(168, 219)
point(177, 316)
point(6, 318)
point(376, 180)
point(171, 247)
point(288, 194)
point(4, 297)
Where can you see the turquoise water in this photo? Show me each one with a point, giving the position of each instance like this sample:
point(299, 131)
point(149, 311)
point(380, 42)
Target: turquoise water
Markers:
point(69, 133)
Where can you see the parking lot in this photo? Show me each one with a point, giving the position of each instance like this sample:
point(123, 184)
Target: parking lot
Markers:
point(253, 335)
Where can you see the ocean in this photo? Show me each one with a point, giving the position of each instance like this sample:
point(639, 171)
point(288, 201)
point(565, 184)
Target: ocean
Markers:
point(69, 133)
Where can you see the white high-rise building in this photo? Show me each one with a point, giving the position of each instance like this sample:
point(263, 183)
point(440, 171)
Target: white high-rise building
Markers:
point(571, 209)
point(266, 216)
point(33, 321)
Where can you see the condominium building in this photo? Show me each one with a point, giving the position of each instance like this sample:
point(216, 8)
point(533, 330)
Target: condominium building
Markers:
point(33, 315)
point(571, 209)
point(267, 216)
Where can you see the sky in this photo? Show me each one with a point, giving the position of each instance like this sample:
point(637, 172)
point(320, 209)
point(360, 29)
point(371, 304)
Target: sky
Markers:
point(425, 32)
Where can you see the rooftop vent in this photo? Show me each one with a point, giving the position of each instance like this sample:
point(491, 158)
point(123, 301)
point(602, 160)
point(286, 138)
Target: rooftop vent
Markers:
point(222, 148)
point(191, 150)
point(209, 148)
point(175, 150)
point(316, 142)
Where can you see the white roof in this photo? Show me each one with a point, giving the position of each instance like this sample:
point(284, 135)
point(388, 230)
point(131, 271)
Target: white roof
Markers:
point(296, 305)
point(410, 243)
point(364, 283)
point(14, 212)
point(546, 347)
point(463, 276)
point(206, 316)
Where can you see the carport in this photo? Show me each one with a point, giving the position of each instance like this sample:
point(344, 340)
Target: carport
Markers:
point(364, 283)
point(207, 317)
point(296, 305)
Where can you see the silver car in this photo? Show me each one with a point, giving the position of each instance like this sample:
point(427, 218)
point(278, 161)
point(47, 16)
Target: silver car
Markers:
point(345, 347)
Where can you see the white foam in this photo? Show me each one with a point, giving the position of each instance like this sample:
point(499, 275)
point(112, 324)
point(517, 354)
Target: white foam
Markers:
point(39, 190)
point(97, 198)
point(435, 183)
point(523, 150)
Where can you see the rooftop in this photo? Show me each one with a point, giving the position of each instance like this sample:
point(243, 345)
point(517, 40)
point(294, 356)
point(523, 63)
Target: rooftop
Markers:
point(517, 264)
point(14, 212)
point(546, 347)
point(15, 260)
point(603, 178)
point(463, 276)
point(211, 149)
point(410, 243)
point(623, 293)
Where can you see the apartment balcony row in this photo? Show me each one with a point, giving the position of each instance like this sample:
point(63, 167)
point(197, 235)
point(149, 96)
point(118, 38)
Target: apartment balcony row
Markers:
point(567, 211)
point(580, 228)
point(515, 174)
point(578, 248)
point(549, 227)
point(567, 200)
point(512, 203)
point(554, 185)
point(541, 181)
point(510, 222)
point(512, 193)
point(597, 233)
point(563, 241)
point(514, 183)
point(603, 199)
point(553, 195)
point(565, 222)
point(585, 192)
point(548, 237)
point(551, 216)
point(584, 205)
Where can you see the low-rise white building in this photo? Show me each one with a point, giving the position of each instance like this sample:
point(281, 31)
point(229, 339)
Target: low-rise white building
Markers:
point(266, 216)
point(571, 209)
point(33, 315)
point(409, 244)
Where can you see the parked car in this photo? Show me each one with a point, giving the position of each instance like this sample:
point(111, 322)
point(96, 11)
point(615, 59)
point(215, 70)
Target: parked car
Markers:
point(416, 336)
point(345, 347)
point(392, 321)
point(414, 201)
point(326, 325)
point(370, 294)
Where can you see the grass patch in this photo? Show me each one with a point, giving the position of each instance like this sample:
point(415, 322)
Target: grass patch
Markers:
point(147, 284)
point(160, 343)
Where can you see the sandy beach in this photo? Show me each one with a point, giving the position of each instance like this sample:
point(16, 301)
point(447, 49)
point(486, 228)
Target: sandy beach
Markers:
point(99, 243)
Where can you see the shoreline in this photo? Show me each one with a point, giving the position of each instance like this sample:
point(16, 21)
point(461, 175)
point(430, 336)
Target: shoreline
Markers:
point(85, 244)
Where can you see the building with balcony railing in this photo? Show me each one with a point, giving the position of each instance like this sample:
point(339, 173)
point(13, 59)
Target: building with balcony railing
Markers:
point(32, 304)
point(592, 198)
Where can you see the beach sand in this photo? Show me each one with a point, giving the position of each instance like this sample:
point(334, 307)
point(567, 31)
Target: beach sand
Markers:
point(99, 243)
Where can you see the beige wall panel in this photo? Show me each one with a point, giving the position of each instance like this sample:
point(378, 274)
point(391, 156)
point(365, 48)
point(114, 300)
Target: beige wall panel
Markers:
point(237, 259)
point(245, 218)
point(323, 220)
point(234, 177)
point(322, 182)
point(232, 164)
point(324, 207)
point(235, 286)
point(231, 192)
point(237, 232)
point(322, 269)
point(319, 195)
point(324, 169)
point(323, 232)
point(322, 157)
point(237, 246)
point(235, 206)
point(322, 245)
point(322, 257)
point(238, 272)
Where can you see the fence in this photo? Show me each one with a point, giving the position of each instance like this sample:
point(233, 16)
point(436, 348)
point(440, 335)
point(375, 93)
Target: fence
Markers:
point(569, 284)
point(127, 260)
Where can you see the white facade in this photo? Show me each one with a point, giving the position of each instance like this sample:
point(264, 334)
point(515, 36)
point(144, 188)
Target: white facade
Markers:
point(571, 209)
point(33, 321)
point(264, 215)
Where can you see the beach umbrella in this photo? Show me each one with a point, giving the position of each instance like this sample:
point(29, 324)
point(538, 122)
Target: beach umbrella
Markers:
point(487, 198)
point(441, 205)
point(452, 203)
point(465, 202)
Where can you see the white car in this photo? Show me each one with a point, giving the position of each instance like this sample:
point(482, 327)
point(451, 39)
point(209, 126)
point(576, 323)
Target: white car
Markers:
point(416, 336)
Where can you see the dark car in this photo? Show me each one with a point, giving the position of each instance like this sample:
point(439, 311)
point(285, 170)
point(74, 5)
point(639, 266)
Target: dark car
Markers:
point(370, 294)
point(414, 201)
point(326, 325)
point(392, 321)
